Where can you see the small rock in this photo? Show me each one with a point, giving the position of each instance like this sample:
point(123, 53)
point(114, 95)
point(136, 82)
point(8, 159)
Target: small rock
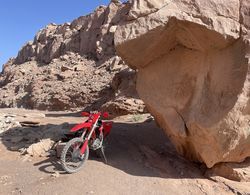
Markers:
point(26, 158)
point(22, 71)
point(233, 171)
point(112, 29)
point(65, 68)
point(79, 68)
point(14, 148)
point(29, 123)
point(8, 120)
point(40, 148)
point(22, 150)
point(55, 174)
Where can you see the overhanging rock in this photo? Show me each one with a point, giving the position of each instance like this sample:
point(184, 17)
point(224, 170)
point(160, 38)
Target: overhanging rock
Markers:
point(192, 59)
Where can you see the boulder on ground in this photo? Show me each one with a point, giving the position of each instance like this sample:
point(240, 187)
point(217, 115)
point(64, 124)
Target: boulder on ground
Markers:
point(192, 61)
point(40, 148)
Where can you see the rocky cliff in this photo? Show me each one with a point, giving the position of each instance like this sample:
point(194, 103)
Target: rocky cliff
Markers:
point(73, 65)
point(192, 58)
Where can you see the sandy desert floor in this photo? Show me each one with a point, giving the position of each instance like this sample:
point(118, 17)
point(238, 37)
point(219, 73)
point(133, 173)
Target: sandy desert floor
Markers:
point(141, 160)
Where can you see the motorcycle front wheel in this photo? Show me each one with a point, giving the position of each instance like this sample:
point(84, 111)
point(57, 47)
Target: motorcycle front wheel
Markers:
point(71, 158)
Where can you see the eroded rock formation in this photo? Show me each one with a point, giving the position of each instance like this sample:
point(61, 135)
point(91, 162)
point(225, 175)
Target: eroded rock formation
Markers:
point(71, 66)
point(192, 58)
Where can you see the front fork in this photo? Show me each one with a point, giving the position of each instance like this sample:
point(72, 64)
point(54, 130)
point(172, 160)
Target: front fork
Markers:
point(86, 140)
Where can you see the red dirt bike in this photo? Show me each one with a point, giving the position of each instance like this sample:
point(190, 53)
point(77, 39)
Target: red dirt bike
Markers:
point(87, 135)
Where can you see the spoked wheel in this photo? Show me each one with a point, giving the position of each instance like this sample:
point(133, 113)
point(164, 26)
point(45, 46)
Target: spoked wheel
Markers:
point(71, 158)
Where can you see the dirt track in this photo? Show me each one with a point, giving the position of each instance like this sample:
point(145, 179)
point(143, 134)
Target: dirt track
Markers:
point(141, 160)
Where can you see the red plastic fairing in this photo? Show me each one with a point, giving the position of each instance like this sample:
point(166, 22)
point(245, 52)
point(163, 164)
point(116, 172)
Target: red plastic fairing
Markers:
point(85, 114)
point(106, 128)
point(81, 126)
point(95, 117)
point(105, 115)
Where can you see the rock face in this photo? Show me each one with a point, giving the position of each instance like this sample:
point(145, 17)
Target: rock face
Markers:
point(70, 66)
point(192, 61)
point(90, 36)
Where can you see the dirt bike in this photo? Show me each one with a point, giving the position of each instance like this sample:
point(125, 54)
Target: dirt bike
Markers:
point(87, 135)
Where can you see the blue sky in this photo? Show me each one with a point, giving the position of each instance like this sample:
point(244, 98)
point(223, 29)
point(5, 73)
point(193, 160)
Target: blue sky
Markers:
point(21, 19)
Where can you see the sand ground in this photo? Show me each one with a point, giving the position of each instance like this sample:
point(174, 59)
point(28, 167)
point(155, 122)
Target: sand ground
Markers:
point(141, 160)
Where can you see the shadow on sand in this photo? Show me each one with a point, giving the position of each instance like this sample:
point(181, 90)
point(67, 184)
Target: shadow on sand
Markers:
point(139, 149)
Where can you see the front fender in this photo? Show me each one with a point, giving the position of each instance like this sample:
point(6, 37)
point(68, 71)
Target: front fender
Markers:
point(80, 126)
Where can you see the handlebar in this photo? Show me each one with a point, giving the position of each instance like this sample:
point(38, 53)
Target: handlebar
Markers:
point(87, 114)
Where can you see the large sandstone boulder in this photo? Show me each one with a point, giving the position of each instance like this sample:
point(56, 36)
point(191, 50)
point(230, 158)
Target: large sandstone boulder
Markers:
point(192, 59)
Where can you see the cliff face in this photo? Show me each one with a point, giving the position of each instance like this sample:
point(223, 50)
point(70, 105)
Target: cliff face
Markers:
point(192, 59)
point(90, 36)
point(70, 66)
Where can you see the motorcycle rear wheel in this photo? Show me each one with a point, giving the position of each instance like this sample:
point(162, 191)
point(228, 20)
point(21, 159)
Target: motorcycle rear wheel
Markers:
point(71, 158)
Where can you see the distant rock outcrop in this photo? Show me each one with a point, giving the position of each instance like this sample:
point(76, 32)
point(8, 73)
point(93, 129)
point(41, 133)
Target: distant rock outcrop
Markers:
point(71, 66)
point(192, 61)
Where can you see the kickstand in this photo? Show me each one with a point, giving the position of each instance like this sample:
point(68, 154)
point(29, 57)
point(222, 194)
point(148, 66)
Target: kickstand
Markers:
point(103, 155)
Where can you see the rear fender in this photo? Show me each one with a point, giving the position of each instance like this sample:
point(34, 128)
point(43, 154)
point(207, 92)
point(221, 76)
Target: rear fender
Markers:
point(106, 128)
point(81, 126)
